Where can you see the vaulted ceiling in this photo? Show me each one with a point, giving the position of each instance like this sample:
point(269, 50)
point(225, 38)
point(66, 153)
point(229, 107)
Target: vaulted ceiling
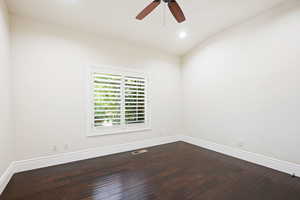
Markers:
point(117, 18)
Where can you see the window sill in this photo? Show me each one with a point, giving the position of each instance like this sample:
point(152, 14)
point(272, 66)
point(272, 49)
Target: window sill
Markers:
point(115, 132)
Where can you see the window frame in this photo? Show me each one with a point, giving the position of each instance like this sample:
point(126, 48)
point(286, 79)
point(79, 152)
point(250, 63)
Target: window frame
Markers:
point(116, 129)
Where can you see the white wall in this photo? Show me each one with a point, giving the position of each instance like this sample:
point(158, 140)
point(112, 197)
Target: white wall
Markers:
point(242, 87)
point(6, 130)
point(49, 66)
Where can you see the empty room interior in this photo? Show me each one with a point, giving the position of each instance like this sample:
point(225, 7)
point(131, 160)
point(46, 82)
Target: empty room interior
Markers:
point(150, 100)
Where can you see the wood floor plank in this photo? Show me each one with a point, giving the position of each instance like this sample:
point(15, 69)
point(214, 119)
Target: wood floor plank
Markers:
point(177, 171)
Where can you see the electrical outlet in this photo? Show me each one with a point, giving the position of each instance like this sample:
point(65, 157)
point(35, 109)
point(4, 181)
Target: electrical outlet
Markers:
point(240, 144)
point(54, 148)
point(66, 147)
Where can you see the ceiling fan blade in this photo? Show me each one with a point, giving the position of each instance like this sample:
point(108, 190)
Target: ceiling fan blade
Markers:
point(176, 11)
point(148, 9)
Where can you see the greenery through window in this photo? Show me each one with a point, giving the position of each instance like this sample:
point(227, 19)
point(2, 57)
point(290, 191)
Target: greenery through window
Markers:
point(118, 100)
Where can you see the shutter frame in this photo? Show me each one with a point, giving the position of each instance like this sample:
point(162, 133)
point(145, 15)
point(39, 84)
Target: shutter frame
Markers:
point(142, 116)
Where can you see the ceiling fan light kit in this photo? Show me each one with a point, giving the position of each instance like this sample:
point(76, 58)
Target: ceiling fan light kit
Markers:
point(173, 6)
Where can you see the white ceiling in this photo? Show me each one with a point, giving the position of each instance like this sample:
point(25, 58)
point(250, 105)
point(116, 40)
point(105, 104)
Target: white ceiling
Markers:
point(116, 18)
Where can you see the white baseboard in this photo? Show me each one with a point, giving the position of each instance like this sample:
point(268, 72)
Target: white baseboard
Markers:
point(47, 161)
point(6, 176)
point(279, 165)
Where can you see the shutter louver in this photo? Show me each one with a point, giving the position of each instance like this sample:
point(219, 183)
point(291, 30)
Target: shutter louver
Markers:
point(135, 93)
point(107, 99)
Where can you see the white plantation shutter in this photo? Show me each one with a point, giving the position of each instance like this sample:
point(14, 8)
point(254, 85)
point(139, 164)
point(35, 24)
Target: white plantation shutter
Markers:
point(118, 101)
point(135, 92)
point(107, 99)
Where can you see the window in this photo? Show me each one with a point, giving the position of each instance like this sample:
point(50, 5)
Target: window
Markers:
point(117, 101)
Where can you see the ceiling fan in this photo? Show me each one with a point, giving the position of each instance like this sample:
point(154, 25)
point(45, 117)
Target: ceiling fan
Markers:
point(173, 6)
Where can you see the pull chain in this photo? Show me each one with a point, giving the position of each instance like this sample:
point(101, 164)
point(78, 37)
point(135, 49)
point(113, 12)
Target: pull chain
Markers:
point(164, 15)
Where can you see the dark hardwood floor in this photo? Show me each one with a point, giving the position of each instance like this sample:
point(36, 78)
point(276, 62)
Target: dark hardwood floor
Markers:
point(176, 171)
